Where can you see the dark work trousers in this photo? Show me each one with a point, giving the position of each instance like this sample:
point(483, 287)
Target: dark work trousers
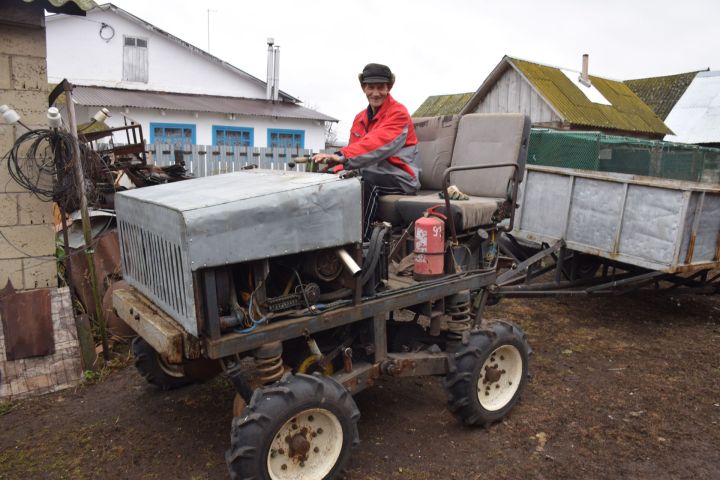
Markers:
point(371, 193)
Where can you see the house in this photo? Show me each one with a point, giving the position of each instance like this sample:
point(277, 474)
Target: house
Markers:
point(177, 92)
point(687, 102)
point(560, 99)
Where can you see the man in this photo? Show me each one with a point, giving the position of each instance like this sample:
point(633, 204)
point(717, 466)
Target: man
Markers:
point(382, 145)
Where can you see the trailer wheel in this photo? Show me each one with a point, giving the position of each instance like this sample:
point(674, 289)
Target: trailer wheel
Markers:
point(300, 427)
point(155, 369)
point(488, 375)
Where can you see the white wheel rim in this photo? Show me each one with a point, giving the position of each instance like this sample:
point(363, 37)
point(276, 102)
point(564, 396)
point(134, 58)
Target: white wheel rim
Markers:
point(176, 371)
point(306, 446)
point(499, 377)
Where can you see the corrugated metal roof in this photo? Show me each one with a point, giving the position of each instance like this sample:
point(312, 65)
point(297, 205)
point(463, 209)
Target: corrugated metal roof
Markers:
point(661, 93)
point(696, 116)
point(627, 112)
point(68, 7)
point(117, 97)
point(437, 105)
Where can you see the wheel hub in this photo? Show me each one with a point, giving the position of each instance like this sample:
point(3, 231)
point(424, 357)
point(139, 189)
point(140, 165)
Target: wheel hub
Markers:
point(299, 445)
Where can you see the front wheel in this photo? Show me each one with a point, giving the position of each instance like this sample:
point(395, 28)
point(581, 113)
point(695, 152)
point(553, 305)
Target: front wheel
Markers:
point(488, 375)
point(153, 367)
point(300, 427)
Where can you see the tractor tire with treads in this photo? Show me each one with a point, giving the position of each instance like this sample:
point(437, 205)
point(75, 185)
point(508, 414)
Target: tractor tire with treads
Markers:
point(302, 426)
point(488, 375)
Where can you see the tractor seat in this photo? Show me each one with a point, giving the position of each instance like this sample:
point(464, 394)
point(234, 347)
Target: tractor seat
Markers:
point(474, 139)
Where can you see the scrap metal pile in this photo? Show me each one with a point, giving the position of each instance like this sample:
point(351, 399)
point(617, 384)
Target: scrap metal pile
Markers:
point(110, 167)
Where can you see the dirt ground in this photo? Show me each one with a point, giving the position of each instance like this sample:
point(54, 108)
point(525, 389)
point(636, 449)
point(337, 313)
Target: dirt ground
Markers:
point(625, 387)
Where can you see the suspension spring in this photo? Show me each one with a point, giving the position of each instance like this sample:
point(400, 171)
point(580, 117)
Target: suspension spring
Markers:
point(269, 369)
point(460, 320)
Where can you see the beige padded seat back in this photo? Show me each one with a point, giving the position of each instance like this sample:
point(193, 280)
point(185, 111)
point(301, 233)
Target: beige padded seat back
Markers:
point(484, 139)
point(436, 136)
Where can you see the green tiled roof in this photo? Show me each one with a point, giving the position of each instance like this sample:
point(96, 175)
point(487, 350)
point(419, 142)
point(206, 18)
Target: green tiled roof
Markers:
point(442, 105)
point(71, 7)
point(661, 93)
point(627, 111)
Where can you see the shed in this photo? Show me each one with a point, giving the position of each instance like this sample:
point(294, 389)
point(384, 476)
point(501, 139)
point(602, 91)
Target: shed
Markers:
point(554, 97)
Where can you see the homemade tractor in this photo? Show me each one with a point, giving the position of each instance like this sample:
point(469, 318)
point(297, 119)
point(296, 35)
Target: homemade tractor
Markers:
point(263, 275)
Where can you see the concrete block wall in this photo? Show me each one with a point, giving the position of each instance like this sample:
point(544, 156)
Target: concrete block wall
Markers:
point(27, 236)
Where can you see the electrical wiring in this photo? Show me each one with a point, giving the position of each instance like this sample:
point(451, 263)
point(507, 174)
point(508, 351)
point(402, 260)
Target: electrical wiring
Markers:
point(40, 161)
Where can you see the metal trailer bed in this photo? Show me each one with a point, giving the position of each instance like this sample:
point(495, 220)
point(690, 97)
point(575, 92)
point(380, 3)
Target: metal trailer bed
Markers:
point(641, 231)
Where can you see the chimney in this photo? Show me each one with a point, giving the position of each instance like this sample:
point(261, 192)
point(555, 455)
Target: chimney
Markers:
point(270, 68)
point(584, 78)
point(276, 75)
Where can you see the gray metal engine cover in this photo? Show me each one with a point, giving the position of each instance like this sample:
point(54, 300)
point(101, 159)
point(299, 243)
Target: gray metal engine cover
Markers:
point(169, 231)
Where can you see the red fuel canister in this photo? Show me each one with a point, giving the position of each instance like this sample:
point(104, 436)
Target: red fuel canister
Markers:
point(429, 248)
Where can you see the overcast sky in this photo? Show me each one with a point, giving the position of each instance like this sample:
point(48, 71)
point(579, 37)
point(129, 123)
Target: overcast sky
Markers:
point(438, 47)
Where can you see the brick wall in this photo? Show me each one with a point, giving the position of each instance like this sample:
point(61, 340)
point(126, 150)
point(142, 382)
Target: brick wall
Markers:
point(27, 238)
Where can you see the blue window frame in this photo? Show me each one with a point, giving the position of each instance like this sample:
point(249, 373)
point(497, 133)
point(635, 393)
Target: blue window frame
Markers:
point(285, 138)
point(172, 133)
point(232, 136)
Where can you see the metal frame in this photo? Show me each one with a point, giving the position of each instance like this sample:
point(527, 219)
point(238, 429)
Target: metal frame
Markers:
point(378, 306)
point(528, 278)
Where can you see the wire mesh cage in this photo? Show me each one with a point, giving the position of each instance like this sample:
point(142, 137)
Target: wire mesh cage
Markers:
point(608, 153)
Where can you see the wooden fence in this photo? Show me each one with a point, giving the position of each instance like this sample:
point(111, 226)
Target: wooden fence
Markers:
point(205, 160)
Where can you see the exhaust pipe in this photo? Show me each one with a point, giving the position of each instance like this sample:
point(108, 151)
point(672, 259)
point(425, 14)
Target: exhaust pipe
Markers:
point(349, 262)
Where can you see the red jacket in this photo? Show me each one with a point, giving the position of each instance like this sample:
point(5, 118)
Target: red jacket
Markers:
point(385, 148)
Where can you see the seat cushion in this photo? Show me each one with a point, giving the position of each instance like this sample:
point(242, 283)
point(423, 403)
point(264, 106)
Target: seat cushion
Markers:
point(486, 139)
point(436, 137)
point(472, 213)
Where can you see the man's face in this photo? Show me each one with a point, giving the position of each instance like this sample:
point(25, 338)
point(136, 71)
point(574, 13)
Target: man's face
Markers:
point(376, 94)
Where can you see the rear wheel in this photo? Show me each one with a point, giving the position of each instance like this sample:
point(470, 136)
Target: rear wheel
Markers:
point(488, 375)
point(300, 427)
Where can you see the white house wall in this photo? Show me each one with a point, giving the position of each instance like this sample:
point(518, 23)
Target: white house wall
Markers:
point(513, 94)
point(76, 52)
point(314, 130)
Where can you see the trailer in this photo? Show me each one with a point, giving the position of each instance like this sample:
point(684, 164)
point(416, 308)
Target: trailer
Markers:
point(610, 233)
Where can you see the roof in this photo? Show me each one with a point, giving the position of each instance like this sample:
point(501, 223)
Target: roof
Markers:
point(437, 105)
point(120, 98)
point(623, 110)
point(195, 50)
point(696, 115)
point(661, 93)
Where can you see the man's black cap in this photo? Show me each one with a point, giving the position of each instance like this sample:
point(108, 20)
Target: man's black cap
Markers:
point(376, 73)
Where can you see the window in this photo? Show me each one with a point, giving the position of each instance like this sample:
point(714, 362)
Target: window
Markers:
point(286, 138)
point(235, 136)
point(172, 133)
point(135, 60)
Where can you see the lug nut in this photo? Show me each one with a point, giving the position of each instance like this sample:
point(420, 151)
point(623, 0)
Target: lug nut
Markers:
point(283, 466)
point(273, 453)
point(316, 449)
point(281, 451)
point(509, 383)
point(502, 357)
point(320, 430)
point(310, 418)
